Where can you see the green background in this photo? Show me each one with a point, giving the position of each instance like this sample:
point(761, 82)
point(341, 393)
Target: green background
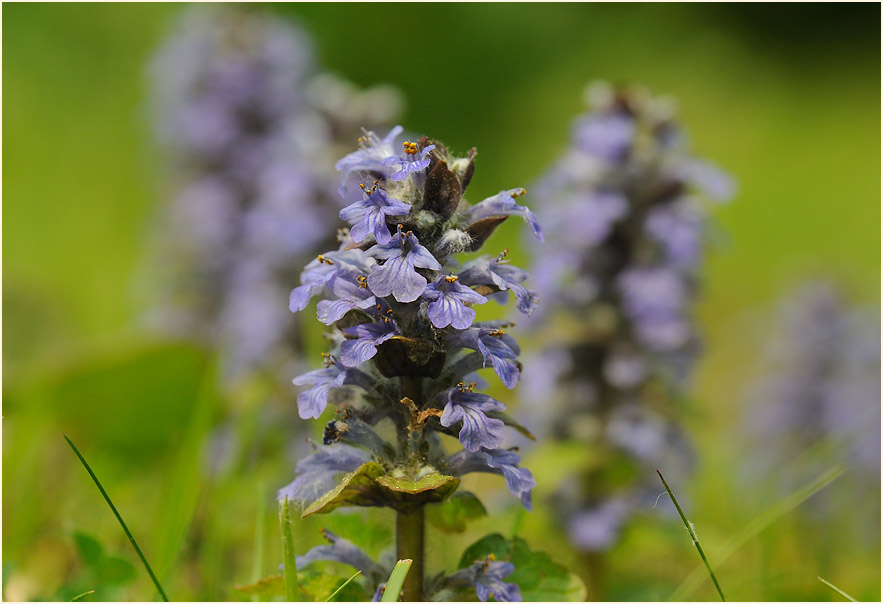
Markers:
point(784, 97)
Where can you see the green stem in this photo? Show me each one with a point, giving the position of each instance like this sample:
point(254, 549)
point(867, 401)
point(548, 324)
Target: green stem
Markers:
point(409, 545)
point(410, 527)
point(592, 574)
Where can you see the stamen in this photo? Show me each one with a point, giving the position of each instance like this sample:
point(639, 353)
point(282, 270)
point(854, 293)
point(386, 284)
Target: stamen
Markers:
point(464, 388)
point(519, 193)
point(497, 333)
point(451, 278)
point(323, 260)
point(410, 148)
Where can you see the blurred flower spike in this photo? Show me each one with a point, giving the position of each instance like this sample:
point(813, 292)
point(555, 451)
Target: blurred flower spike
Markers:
point(625, 209)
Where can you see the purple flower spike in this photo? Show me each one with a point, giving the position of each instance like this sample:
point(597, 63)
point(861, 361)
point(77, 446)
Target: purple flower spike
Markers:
point(450, 303)
point(495, 346)
point(490, 583)
point(503, 204)
point(478, 429)
point(497, 271)
point(487, 577)
point(322, 270)
point(367, 160)
point(397, 276)
point(368, 337)
point(368, 216)
point(605, 136)
point(411, 160)
point(519, 481)
point(351, 291)
point(311, 403)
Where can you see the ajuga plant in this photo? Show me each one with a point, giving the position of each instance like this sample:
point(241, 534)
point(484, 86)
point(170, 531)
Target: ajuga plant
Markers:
point(626, 227)
point(405, 347)
point(817, 404)
point(250, 132)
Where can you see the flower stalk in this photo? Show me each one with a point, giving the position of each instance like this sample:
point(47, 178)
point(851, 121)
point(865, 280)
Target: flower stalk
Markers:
point(406, 352)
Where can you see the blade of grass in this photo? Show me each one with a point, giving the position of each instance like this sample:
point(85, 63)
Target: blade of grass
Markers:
point(345, 583)
point(119, 518)
point(837, 589)
point(257, 570)
point(185, 483)
point(692, 582)
point(693, 536)
point(92, 591)
point(396, 580)
point(292, 589)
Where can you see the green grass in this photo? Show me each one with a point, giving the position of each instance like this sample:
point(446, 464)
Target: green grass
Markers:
point(693, 537)
point(119, 519)
point(794, 119)
point(396, 581)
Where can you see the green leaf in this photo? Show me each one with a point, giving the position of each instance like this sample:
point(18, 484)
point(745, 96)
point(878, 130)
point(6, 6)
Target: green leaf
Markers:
point(113, 570)
point(268, 587)
point(90, 549)
point(495, 544)
point(368, 532)
point(452, 515)
point(540, 578)
point(354, 489)
point(136, 401)
point(441, 485)
point(369, 486)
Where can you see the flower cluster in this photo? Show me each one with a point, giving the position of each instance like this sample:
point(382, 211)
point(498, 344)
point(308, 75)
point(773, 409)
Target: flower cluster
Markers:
point(406, 343)
point(625, 217)
point(822, 389)
point(249, 143)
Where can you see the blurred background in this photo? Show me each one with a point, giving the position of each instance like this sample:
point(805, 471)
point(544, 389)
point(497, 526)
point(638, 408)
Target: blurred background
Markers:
point(785, 98)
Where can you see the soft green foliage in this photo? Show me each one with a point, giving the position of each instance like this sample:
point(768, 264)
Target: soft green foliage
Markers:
point(116, 569)
point(454, 514)
point(786, 98)
point(764, 520)
point(540, 578)
point(313, 587)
